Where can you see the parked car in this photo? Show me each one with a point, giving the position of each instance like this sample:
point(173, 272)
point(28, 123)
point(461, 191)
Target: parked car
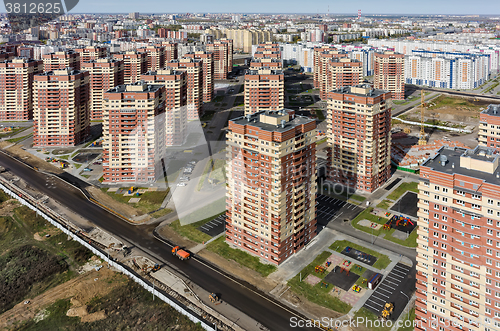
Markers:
point(181, 184)
point(87, 169)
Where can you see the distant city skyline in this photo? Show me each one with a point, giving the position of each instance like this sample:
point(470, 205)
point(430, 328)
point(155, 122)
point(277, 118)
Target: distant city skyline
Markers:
point(459, 7)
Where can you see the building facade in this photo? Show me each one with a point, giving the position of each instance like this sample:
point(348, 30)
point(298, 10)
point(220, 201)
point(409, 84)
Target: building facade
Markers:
point(264, 90)
point(134, 64)
point(389, 73)
point(155, 55)
point(90, 53)
point(458, 254)
point(175, 83)
point(359, 137)
point(16, 88)
point(134, 133)
point(271, 185)
point(207, 60)
point(489, 127)
point(222, 50)
point(341, 72)
point(61, 108)
point(104, 75)
point(61, 60)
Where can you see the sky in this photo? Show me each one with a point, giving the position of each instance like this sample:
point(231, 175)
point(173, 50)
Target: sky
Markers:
point(462, 7)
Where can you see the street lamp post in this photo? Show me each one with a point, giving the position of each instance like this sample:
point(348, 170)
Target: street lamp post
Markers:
point(408, 301)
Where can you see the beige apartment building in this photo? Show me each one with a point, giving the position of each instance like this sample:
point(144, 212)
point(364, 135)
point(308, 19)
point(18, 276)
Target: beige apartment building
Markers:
point(208, 66)
point(261, 63)
point(175, 82)
point(264, 90)
point(458, 252)
point(389, 73)
point(489, 127)
point(271, 183)
point(134, 133)
point(222, 50)
point(16, 88)
point(104, 75)
point(316, 61)
point(135, 64)
point(61, 108)
point(90, 53)
point(322, 70)
point(243, 39)
point(61, 60)
point(156, 56)
point(341, 72)
point(359, 137)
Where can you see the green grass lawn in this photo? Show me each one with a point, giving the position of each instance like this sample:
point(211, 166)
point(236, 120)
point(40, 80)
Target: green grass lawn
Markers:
point(203, 176)
point(207, 116)
point(411, 241)
point(408, 321)
point(161, 212)
point(220, 247)
point(317, 294)
point(324, 140)
point(402, 189)
point(77, 165)
point(367, 215)
point(358, 271)
point(191, 231)
point(63, 157)
point(368, 315)
point(15, 140)
point(320, 114)
point(382, 260)
point(357, 197)
point(149, 200)
point(384, 204)
point(447, 101)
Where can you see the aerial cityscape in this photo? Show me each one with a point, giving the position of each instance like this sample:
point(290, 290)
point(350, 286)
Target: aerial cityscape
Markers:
point(199, 166)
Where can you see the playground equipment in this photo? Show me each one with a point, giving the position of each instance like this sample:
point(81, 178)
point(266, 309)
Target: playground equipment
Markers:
point(358, 267)
point(387, 311)
point(320, 269)
point(386, 227)
point(356, 288)
point(401, 220)
point(324, 284)
point(131, 189)
point(346, 271)
point(347, 263)
point(328, 263)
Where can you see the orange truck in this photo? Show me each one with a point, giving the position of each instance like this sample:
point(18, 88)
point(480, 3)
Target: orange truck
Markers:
point(180, 253)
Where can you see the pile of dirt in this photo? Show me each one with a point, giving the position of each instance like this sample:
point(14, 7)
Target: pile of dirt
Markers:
point(80, 310)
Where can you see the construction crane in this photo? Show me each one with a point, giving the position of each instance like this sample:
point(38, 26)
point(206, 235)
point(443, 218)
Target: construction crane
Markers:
point(422, 139)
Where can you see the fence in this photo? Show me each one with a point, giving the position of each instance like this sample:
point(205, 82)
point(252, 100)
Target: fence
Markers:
point(124, 269)
point(432, 126)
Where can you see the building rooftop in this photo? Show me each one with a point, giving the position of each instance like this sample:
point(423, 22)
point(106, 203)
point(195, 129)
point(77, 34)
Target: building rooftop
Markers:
point(264, 71)
point(360, 90)
point(166, 71)
point(274, 121)
point(139, 86)
point(480, 162)
point(62, 72)
point(492, 110)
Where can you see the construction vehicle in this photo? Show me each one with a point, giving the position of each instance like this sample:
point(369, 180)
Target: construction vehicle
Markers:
point(180, 253)
point(214, 298)
point(387, 311)
point(147, 268)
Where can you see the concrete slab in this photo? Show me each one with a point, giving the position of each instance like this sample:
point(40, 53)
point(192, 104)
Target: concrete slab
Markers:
point(113, 189)
point(370, 224)
point(312, 280)
point(134, 200)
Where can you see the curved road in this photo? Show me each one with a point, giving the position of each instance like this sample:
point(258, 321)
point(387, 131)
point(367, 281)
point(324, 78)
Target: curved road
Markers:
point(247, 299)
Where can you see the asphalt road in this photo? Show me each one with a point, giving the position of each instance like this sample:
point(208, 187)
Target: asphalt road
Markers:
point(243, 296)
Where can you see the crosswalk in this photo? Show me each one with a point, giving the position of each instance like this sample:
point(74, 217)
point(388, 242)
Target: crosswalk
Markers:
point(388, 290)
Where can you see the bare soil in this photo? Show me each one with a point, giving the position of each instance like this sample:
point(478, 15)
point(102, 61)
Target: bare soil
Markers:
point(166, 232)
point(310, 308)
point(123, 209)
point(30, 159)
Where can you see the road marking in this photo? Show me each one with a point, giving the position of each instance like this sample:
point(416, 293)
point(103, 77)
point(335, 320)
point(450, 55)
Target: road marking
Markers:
point(374, 297)
point(379, 288)
point(375, 303)
point(392, 282)
point(389, 276)
point(382, 294)
point(400, 272)
point(394, 274)
point(371, 307)
point(404, 270)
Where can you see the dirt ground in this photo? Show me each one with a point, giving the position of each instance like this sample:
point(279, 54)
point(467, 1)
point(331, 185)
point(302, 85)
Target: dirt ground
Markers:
point(80, 289)
point(310, 308)
point(125, 210)
point(165, 231)
point(30, 159)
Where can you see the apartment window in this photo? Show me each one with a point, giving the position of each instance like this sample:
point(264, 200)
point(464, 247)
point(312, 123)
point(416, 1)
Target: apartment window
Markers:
point(445, 208)
point(445, 190)
point(436, 188)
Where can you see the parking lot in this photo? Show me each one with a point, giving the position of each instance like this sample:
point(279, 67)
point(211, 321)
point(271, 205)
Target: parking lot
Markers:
point(389, 290)
point(215, 226)
point(330, 209)
point(407, 205)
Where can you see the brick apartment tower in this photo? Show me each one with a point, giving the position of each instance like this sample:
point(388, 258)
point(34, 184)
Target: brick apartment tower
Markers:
point(135, 64)
point(223, 57)
point(104, 75)
point(61, 60)
point(316, 61)
point(359, 137)
point(194, 70)
point(207, 59)
point(134, 133)
point(16, 88)
point(324, 63)
point(458, 252)
point(90, 53)
point(268, 50)
point(61, 108)
point(175, 83)
point(341, 72)
point(271, 183)
point(489, 127)
point(171, 50)
point(156, 57)
point(6, 56)
point(264, 90)
point(261, 63)
point(389, 73)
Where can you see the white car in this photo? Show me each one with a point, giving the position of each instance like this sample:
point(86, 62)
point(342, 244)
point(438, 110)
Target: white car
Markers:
point(181, 184)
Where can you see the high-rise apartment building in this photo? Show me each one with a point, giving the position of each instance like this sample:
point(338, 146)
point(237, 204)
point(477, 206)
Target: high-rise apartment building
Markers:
point(135, 64)
point(271, 183)
point(341, 72)
point(6, 56)
point(264, 90)
point(61, 60)
point(175, 83)
point(207, 59)
point(359, 137)
point(316, 61)
point(321, 71)
point(243, 39)
point(61, 108)
point(156, 57)
point(489, 127)
point(90, 53)
point(261, 63)
point(194, 71)
point(16, 88)
point(134, 133)
point(171, 50)
point(458, 252)
point(104, 75)
point(389, 73)
point(223, 57)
